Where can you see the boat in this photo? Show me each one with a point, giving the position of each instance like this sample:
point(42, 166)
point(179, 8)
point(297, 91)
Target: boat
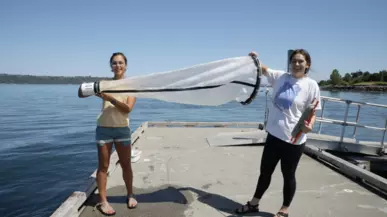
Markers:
point(211, 168)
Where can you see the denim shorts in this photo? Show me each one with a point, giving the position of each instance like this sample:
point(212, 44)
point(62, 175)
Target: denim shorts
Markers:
point(113, 134)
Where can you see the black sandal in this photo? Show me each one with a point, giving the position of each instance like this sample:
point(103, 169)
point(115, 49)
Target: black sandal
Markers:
point(282, 214)
point(250, 208)
point(127, 201)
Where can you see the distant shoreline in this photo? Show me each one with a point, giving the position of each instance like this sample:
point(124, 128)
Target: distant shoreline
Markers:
point(49, 80)
point(39, 79)
point(355, 88)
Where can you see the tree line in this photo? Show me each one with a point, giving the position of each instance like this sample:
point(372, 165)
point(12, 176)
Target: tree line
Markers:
point(39, 79)
point(355, 77)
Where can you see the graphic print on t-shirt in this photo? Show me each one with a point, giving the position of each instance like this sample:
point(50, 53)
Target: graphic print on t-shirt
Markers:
point(286, 95)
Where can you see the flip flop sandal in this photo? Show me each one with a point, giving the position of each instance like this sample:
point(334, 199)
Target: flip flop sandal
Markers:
point(127, 202)
point(99, 207)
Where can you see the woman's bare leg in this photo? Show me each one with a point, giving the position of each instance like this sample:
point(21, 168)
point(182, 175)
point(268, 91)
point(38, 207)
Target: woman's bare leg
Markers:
point(104, 153)
point(124, 154)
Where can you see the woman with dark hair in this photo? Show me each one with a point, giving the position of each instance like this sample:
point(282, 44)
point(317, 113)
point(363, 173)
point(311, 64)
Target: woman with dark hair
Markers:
point(113, 128)
point(293, 92)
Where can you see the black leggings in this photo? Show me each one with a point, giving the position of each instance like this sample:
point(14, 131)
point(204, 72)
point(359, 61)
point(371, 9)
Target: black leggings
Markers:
point(289, 154)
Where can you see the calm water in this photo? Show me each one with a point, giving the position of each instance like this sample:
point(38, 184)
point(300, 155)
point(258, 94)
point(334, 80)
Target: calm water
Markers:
point(47, 137)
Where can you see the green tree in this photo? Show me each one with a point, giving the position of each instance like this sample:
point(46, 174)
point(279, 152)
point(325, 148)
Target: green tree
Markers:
point(357, 74)
point(366, 76)
point(375, 77)
point(383, 75)
point(335, 77)
point(347, 77)
point(323, 83)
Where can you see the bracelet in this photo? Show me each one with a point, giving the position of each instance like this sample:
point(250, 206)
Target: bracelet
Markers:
point(113, 101)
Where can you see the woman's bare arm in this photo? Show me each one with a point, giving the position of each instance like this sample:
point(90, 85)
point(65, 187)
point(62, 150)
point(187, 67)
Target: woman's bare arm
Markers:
point(123, 106)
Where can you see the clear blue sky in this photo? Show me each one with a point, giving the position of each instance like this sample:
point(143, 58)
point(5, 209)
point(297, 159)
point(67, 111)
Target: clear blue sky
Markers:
point(77, 37)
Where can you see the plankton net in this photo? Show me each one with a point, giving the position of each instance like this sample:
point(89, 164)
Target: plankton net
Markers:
point(209, 84)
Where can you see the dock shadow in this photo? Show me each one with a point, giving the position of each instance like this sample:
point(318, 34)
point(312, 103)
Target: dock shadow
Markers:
point(222, 203)
point(164, 193)
point(163, 199)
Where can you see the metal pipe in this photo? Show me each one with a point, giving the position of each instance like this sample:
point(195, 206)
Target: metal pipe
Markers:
point(266, 109)
point(357, 120)
point(345, 123)
point(384, 134)
point(348, 168)
point(321, 116)
point(330, 121)
point(353, 102)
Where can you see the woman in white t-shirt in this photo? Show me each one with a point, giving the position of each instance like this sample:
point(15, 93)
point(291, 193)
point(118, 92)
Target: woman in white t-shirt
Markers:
point(292, 92)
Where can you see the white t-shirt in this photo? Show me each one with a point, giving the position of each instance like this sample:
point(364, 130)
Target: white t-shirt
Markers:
point(289, 99)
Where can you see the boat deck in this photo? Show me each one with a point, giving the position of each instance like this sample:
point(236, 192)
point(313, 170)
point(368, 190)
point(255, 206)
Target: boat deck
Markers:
point(191, 171)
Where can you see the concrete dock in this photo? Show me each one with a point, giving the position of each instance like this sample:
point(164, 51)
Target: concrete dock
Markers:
point(187, 171)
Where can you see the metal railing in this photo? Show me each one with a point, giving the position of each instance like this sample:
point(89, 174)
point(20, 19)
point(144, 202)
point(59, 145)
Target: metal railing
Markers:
point(345, 122)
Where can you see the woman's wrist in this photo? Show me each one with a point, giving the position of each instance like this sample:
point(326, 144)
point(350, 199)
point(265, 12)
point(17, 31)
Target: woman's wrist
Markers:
point(113, 101)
